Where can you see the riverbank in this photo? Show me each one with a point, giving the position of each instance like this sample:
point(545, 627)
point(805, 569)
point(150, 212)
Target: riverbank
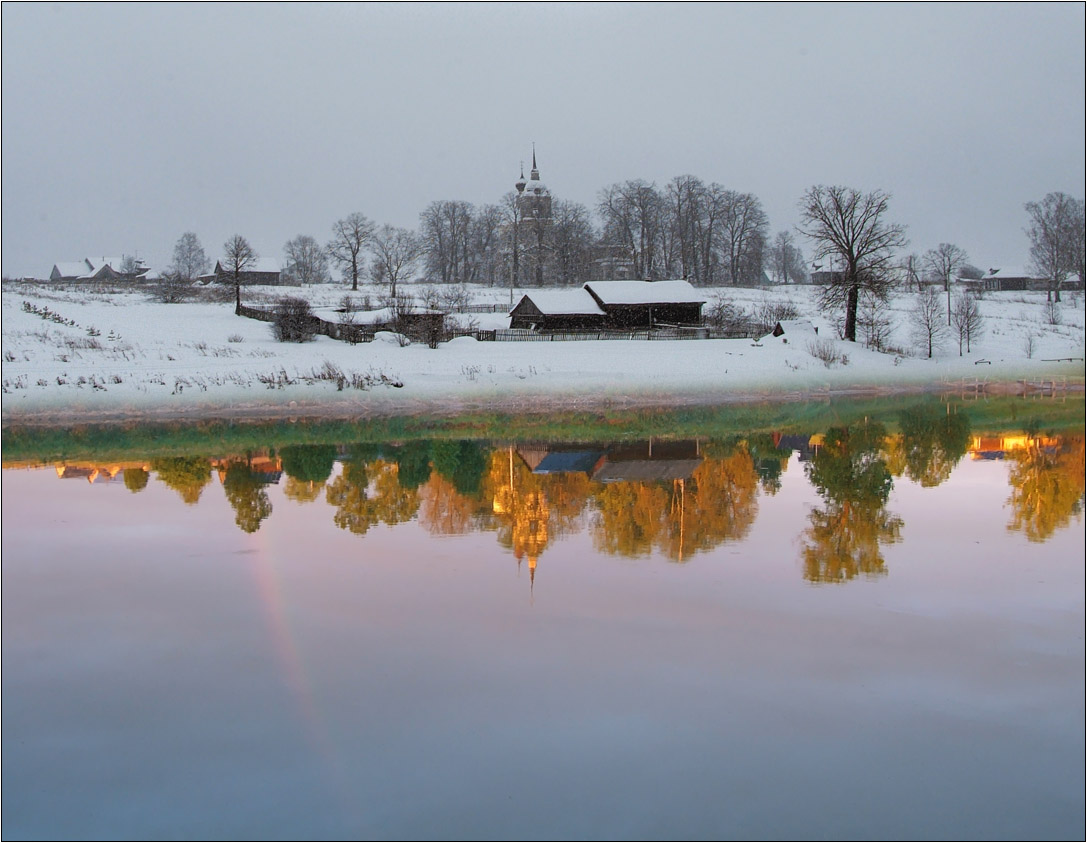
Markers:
point(74, 356)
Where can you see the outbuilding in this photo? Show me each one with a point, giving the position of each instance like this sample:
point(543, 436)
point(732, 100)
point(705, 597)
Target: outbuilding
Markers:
point(647, 304)
point(556, 310)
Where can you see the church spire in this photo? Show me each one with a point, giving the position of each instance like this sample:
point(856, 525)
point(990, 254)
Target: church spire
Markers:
point(535, 174)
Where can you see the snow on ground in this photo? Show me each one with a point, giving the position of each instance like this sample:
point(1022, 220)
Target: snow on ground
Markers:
point(120, 353)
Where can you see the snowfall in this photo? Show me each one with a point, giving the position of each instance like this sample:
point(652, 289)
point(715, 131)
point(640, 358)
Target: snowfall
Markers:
point(73, 354)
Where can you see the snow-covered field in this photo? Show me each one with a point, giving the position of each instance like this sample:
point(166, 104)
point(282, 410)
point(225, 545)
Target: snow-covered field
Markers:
point(113, 354)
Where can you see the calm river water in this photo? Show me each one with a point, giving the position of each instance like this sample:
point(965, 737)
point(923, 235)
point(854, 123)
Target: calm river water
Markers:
point(872, 629)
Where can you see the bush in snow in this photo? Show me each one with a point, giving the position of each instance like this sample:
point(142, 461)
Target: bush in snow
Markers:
point(827, 351)
point(294, 320)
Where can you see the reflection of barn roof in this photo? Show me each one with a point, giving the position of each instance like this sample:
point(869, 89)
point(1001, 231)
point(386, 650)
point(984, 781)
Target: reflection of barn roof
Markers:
point(558, 462)
point(645, 292)
point(647, 461)
point(645, 470)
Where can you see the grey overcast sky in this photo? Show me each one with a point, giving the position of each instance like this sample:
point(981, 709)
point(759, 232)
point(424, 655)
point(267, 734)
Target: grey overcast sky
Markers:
point(126, 125)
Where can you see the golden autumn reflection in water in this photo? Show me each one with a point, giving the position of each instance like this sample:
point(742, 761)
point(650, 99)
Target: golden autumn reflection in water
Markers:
point(675, 498)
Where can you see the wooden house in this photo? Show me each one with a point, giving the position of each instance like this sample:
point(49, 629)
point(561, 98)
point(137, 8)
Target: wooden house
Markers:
point(262, 271)
point(100, 269)
point(647, 304)
point(557, 310)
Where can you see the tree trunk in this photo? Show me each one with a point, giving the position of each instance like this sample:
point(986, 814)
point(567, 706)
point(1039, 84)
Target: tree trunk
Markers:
point(354, 274)
point(851, 313)
point(237, 294)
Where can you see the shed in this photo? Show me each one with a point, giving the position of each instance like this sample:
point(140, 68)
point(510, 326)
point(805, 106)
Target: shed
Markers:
point(647, 304)
point(544, 310)
point(794, 329)
point(262, 271)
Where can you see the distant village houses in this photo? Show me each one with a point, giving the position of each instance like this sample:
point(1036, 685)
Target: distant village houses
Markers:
point(124, 268)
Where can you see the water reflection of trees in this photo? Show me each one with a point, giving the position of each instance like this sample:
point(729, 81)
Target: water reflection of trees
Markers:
point(718, 503)
point(932, 443)
point(185, 475)
point(670, 497)
point(1047, 483)
point(244, 488)
point(845, 535)
point(368, 491)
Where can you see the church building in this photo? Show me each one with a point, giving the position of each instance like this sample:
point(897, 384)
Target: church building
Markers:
point(532, 232)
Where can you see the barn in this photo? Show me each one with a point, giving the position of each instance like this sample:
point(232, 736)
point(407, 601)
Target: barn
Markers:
point(261, 271)
point(557, 310)
point(647, 304)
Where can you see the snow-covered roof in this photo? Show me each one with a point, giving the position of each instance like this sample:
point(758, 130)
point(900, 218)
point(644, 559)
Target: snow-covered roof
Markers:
point(564, 302)
point(71, 269)
point(259, 265)
point(536, 186)
point(1008, 272)
point(646, 292)
point(794, 329)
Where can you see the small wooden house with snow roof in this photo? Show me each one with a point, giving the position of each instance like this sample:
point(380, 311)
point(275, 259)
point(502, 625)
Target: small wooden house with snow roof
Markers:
point(261, 271)
point(647, 304)
point(557, 310)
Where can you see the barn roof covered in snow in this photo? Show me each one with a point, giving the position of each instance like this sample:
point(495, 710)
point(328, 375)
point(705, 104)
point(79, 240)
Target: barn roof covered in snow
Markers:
point(563, 302)
point(645, 292)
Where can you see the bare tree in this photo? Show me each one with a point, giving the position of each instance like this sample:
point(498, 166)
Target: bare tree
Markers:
point(396, 253)
point(632, 213)
point(1056, 239)
point(443, 228)
point(849, 226)
point(305, 262)
point(967, 320)
point(571, 243)
point(874, 322)
point(944, 262)
point(190, 261)
point(786, 259)
point(349, 237)
point(238, 256)
point(911, 272)
point(927, 321)
point(485, 245)
point(742, 236)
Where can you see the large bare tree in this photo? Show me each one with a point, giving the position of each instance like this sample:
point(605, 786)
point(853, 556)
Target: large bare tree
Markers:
point(849, 227)
point(743, 235)
point(943, 263)
point(632, 213)
point(189, 257)
point(786, 259)
point(1056, 239)
point(349, 237)
point(238, 256)
point(305, 261)
point(396, 253)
